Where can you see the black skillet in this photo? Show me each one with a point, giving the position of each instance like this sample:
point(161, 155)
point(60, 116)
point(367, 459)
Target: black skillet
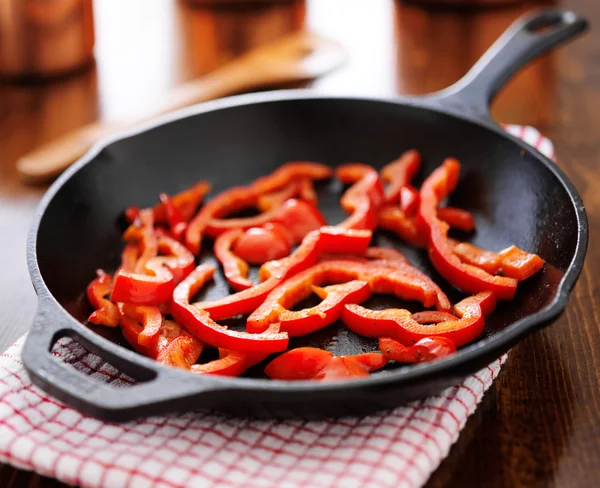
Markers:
point(517, 195)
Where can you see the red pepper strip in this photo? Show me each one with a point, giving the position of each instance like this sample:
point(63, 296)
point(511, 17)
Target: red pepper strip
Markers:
point(363, 198)
point(270, 201)
point(199, 324)
point(519, 264)
point(129, 257)
point(392, 218)
point(400, 325)
point(225, 203)
point(181, 352)
point(311, 363)
point(106, 312)
point(427, 349)
point(436, 187)
point(307, 191)
point(272, 273)
point(409, 200)
point(400, 173)
point(142, 232)
point(303, 322)
point(432, 317)
point(381, 279)
point(151, 320)
point(232, 363)
point(169, 349)
point(457, 218)
point(261, 244)
point(177, 224)
point(186, 202)
point(234, 268)
point(290, 172)
point(297, 216)
point(178, 259)
point(512, 261)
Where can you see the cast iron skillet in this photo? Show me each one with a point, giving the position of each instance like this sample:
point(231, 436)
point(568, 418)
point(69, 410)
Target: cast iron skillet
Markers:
point(517, 195)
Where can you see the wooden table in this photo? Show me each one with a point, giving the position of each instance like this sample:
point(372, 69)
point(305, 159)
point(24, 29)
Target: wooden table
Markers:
point(539, 424)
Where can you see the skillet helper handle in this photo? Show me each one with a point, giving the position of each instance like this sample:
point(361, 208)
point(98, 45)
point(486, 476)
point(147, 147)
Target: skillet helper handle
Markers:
point(527, 38)
point(156, 390)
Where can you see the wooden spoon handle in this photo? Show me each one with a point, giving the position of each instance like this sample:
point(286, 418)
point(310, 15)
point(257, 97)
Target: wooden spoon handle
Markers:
point(49, 160)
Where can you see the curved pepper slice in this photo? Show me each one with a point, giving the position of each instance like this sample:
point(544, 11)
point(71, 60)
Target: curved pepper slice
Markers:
point(290, 172)
point(199, 324)
point(234, 268)
point(297, 216)
point(381, 279)
point(258, 245)
point(392, 218)
point(169, 349)
point(306, 321)
point(151, 320)
point(457, 218)
point(363, 198)
point(436, 187)
point(310, 363)
point(427, 349)
point(186, 202)
point(401, 326)
point(512, 261)
point(400, 173)
point(106, 312)
point(272, 273)
point(302, 188)
point(177, 224)
point(225, 203)
point(129, 257)
point(409, 200)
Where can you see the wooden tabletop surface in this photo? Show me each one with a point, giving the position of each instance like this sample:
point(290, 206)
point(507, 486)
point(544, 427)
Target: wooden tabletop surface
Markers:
point(539, 424)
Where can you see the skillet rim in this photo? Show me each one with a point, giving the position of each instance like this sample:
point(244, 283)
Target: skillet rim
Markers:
point(471, 353)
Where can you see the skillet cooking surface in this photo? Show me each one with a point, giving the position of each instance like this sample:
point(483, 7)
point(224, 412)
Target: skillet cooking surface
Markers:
point(513, 197)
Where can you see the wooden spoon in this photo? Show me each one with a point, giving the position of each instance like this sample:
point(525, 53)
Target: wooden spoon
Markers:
point(298, 57)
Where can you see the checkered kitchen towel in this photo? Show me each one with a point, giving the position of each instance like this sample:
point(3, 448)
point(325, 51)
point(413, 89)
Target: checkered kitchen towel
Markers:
point(393, 449)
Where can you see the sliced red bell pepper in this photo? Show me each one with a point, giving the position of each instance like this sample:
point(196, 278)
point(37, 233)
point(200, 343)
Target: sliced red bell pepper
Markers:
point(199, 324)
point(307, 191)
point(401, 326)
point(400, 173)
point(234, 267)
point(310, 363)
point(381, 279)
point(427, 349)
point(258, 245)
point(471, 254)
point(143, 234)
point(432, 317)
point(186, 202)
point(151, 320)
point(409, 200)
point(273, 200)
point(297, 216)
point(129, 257)
point(174, 256)
point(303, 322)
point(225, 203)
point(363, 199)
point(333, 239)
point(457, 218)
point(519, 264)
point(392, 218)
point(272, 273)
point(176, 222)
point(290, 172)
point(106, 312)
point(436, 187)
point(174, 346)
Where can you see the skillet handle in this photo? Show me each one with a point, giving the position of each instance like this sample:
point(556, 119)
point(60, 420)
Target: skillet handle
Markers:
point(527, 38)
point(157, 389)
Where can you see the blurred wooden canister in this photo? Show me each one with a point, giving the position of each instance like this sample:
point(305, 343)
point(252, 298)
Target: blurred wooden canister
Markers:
point(45, 38)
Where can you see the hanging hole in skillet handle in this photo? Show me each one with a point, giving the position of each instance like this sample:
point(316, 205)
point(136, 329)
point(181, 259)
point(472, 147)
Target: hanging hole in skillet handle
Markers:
point(155, 390)
point(527, 38)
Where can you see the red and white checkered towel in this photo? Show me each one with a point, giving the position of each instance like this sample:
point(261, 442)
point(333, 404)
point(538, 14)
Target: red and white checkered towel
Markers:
point(393, 449)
